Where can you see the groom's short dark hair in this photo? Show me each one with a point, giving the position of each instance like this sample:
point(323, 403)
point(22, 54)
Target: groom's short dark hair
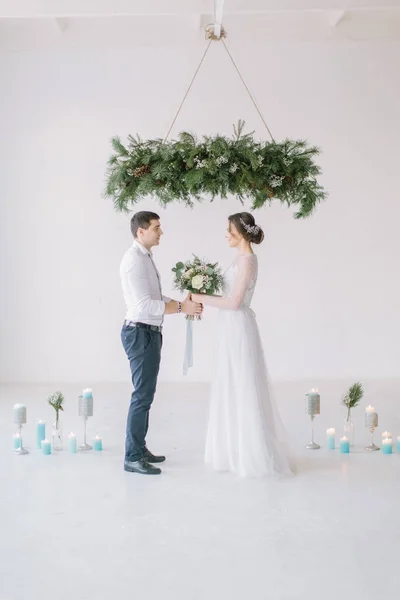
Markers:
point(142, 220)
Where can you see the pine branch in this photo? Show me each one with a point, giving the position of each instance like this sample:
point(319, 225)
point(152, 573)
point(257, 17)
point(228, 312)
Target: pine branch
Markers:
point(353, 396)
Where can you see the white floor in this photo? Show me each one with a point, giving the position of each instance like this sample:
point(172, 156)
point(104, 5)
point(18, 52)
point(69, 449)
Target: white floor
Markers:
point(79, 527)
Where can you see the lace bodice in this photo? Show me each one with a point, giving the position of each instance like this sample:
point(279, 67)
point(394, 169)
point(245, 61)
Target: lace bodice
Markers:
point(240, 280)
point(239, 284)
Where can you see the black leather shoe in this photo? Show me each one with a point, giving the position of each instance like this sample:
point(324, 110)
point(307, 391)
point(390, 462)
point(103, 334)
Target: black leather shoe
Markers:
point(149, 457)
point(141, 466)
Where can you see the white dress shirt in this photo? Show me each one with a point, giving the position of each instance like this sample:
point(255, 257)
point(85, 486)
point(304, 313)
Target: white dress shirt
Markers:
point(141, 286)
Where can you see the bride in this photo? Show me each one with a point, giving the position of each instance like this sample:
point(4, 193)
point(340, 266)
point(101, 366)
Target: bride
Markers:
point(245, 434)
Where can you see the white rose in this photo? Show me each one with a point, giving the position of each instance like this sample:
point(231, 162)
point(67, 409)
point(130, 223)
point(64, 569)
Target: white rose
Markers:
point(197, 282)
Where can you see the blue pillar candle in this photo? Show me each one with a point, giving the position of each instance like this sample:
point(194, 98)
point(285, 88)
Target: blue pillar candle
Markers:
point(97, 443)
point(330, 439)
point(344, 445)
point(40, 433)
point(398, 444)
point(72, 446)
point(46, 447)
point(16, 441)
point(387, 446)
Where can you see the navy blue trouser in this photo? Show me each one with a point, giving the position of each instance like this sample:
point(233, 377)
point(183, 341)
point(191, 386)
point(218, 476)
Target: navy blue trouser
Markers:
point(143, 349)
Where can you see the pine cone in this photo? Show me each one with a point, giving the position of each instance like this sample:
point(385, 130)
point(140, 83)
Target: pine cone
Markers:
point(270, 191)
point(140, 171)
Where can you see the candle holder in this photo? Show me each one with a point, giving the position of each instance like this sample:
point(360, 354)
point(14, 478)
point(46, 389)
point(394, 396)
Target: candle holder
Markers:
point(85, 410)
point(312, 401)
point(371, 423)
point(20, 420)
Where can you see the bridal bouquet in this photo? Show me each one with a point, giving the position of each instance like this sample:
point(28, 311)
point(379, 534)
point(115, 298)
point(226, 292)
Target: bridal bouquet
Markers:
point(198, 277)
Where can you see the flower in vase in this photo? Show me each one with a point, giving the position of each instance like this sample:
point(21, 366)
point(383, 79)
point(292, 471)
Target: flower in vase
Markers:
point(56, 400)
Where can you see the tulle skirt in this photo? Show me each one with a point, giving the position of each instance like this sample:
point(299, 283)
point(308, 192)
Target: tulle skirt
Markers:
point(245, 434)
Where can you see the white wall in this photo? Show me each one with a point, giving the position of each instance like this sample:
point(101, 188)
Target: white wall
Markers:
point(328, 295)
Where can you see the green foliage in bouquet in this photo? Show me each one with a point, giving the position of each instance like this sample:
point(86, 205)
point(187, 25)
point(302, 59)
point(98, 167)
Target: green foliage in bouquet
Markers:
point(189, 169)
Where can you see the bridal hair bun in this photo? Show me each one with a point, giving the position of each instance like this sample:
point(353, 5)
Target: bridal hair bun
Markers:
point(246, 225)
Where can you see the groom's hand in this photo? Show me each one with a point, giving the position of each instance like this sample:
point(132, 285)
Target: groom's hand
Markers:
point(191, 308)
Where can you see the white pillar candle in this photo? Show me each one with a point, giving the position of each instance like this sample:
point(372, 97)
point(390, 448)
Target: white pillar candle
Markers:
point(371, 418)
point(313, 400)
point(19, 414)
point(386, 434)
point(85, 406)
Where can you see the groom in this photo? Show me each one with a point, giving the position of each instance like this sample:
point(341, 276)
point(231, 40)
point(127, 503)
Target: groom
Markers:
point(142, 335)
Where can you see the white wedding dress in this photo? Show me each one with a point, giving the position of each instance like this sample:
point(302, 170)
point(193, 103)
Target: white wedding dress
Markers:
point(245, 434)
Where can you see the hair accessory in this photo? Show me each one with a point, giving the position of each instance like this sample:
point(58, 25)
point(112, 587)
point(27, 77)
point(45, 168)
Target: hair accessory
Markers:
point(251, 229)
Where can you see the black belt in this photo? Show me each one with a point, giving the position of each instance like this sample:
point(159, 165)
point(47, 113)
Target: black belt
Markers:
point(143, 326)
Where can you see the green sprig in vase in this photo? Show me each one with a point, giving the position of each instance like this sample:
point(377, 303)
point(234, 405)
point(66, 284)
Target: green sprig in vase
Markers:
point(56, 400)
point(351, 400)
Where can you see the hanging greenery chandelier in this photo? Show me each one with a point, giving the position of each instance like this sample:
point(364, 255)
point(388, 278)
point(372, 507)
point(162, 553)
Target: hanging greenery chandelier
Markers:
point(188, 169)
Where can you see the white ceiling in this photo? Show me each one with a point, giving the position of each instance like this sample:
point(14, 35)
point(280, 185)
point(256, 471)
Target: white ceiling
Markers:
point(93, 8)
point(28, 24)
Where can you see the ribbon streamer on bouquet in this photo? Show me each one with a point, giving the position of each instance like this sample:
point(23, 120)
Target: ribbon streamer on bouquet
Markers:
point(188, 358)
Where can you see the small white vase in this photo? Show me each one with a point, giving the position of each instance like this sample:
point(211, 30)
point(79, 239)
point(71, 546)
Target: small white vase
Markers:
point(57, 436)
point(349, 428)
